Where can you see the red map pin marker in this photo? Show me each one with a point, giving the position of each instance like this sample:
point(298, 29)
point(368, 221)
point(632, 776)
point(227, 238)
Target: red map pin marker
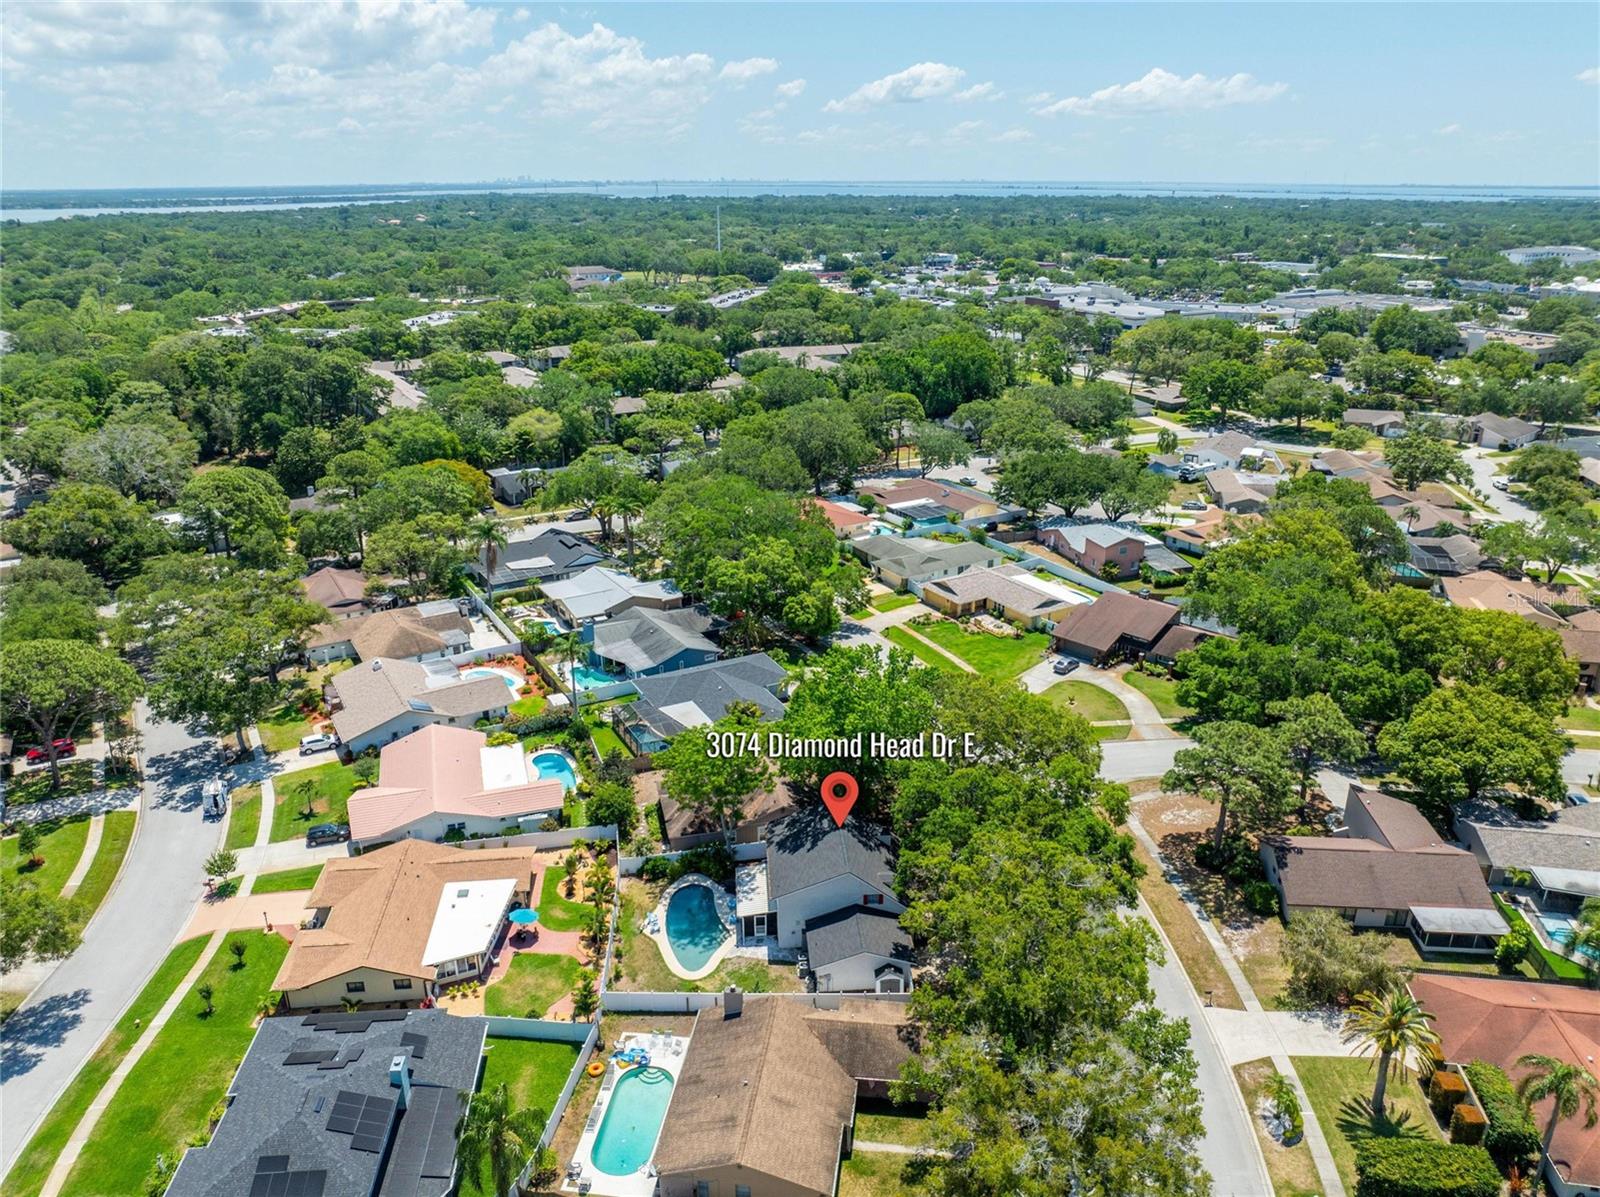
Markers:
point(839, 791)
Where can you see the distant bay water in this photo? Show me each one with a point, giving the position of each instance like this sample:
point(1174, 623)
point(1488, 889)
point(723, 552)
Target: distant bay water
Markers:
point(33, 206)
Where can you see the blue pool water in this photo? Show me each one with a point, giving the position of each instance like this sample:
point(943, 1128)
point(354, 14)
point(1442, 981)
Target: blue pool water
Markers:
point(474, 674)
point(588, 677)
point(627, 1135)
point(552, 765)
point(693, 928)
point(1559, 928)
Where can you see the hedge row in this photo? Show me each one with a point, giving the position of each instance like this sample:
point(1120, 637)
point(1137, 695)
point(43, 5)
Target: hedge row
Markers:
point(1424, 1168)
point(1467, 1125)
point(1512, 1138)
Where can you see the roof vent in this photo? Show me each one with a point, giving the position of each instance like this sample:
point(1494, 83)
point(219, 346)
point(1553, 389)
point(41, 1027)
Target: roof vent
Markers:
point(377, 664)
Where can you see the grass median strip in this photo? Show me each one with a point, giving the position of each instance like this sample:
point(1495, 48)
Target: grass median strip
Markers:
point(920, 649)
point(33, 1165)
point(244, 817)
point(1189, 942)
point(115, 837)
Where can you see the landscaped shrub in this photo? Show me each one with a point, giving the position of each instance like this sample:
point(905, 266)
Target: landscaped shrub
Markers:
point(1512, 949)
point(714, 860)
point(499, 739)
point(1446, 1091)
point(1512, 1138)
point(1424, 1168)
point(1467, 1124)
point(1261, 897)
point(655, 868)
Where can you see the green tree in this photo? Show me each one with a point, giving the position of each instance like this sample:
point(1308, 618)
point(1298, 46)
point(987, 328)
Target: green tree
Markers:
point(92, 524)
point(228, 504)
point(1568, 1087)
point(711, 784)
point(613, 803)
point(420, 551)
point(221, 864)
point(28, 845)
point(939, 448)
point(54, 686)
point(36, 924)
point(1394, 1026)
point(585, 997)
point(1224, 385)
point(1463, 740)
point(1315, 732)
point(495, 1136)
point(1293, 396)
point(1239, 767)
point(1418, 455)
point(489, 535)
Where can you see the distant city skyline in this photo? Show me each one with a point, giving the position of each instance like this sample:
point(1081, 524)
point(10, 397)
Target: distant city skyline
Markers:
point(114, 95)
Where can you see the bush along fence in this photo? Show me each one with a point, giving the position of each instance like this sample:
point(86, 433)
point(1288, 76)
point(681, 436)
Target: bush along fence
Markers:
point(674, 1002)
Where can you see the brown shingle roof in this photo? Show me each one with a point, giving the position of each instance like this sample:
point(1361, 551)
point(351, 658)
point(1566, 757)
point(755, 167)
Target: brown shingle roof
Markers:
point(1498, 1021)
point(1344, 873)
point(381, 907)
point(1399, 822)
point(681, 821)
point(335, 589)
point(1099, 625)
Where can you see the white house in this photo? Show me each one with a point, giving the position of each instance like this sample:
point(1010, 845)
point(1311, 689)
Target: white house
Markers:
point(381, 700)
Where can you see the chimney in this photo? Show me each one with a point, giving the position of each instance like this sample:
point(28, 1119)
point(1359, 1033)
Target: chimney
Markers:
point(400, 1078)
point(732, 1002)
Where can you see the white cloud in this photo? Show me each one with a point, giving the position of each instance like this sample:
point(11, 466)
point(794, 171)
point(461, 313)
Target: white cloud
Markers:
point(965, 129)
point(746, 69)
point(924, 81)
point(1448, 130)
point(1013, 135)
point(1039, 97)
point(1161, 91)
point(790, 90)
point(978, 91)
point(1592, 75)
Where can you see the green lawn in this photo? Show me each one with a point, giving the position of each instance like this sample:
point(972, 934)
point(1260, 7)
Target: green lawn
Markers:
point(327, 786)
point(892, 602)
point(115, 837)
point(874, 1174)
point(1162, 691)
point(1582, 718)
point(535, 1070)
point(244, 817)
point(60, 846)
point(1090, 701)
point(994, 656)
point(27, 1177)
point(640, 967)
point(77, 777)
point(1558, 965)
point(283, 729)
point(170, 1092)
point(557, 912)
point(919, 650)
point(288, 881)
point(1340, 1090)
point(529, 706)
point(884, 1122)
point(532, 985)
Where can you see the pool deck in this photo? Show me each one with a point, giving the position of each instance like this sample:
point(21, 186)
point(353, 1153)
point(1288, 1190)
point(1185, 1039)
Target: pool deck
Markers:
point(659, 918)
point(666, 1053)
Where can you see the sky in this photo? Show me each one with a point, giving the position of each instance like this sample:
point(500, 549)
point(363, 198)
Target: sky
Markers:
point(199, 93)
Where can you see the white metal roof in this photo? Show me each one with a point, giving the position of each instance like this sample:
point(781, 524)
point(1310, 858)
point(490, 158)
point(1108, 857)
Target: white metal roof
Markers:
point(467, 918)
point(1569, 881)
point(1459, 920)
point(750, 883)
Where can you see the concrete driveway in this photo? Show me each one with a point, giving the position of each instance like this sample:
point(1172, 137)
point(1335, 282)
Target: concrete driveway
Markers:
point(1505, 506)
point(44, 1043)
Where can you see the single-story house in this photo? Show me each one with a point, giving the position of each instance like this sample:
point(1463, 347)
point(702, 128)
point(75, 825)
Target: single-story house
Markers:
point(1562, 852)
point(964, 501)
point(1225, 452)
point(1116, 625)
point(599, 592)
point(812, 357)
point(579, 277)
point(847, 519)
point(1008, 591)
point(400, 923)
point(860, 949)
point(549, 357)
point(550, 556)
point(1502, 432)
point(341, 592)
point(442, 779)
point(514, 484)
point(1093, 545)
point(520, 376)
point(1388, 868)
point(1179, 638)
point(503, 359)
point(669, 703)
point(686, 828)
point(330, 1104)
point(1341, 463)
point(1452, 555)
point(1583, 646)
point(1211, 528)
point(1241, 493)
point(425, 632)
point(902, 561)
point(1168, 465)
point(1500, 1020)
point(1376, 420)
point(1166, 397)
point(1485, 590)
point(812, 868)
point(384, 699)
point(639, 641)
point(765, 1098)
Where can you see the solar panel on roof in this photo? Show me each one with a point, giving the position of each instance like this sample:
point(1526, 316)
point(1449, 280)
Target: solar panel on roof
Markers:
point(439, 1156)
point(417, 1043)
point(311, 1057)
point(273, 1163)
point(372, 1143)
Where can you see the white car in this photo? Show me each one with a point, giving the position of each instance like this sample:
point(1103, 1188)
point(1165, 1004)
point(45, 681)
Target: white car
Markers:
point(1501, 484)
point(318, 743)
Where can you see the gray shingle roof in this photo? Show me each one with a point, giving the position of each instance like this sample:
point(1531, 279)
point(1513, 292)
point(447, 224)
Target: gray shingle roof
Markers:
point(551, 554)
point(852, 931)
point(806, 849)
point(644, 638)
point(1570, 841)
point(667, 702)
point(284, 1110)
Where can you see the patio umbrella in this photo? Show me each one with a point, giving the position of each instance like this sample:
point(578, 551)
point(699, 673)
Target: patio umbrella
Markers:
point(523, 917)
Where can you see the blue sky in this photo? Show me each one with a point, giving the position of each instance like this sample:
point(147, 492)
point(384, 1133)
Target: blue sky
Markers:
point(199, 93)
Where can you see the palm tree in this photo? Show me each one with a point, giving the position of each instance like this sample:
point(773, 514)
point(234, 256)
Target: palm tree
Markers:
point(490, 537)
point(1572, 1088)
point(492, 1132)
point(629, 507)
point(1393, 1025)
point(568, 645)
point(1584, 945)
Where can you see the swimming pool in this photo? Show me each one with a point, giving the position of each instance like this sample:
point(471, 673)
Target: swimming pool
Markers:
point(694, 929)
point(589, 678)
point(628, 1132)
point(1559, 928)
point(550, 765)
point(512, 682)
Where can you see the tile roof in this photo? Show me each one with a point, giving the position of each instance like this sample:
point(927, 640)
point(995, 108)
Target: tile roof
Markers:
point(841, 517)
point(806, 849)
point(1485, 590)
point(946, 494)
point(444, 770)
point(382, 904)
point(1499, 1021)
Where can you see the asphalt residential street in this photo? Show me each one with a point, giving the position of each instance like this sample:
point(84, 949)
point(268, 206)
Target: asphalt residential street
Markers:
point(44, 1043)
